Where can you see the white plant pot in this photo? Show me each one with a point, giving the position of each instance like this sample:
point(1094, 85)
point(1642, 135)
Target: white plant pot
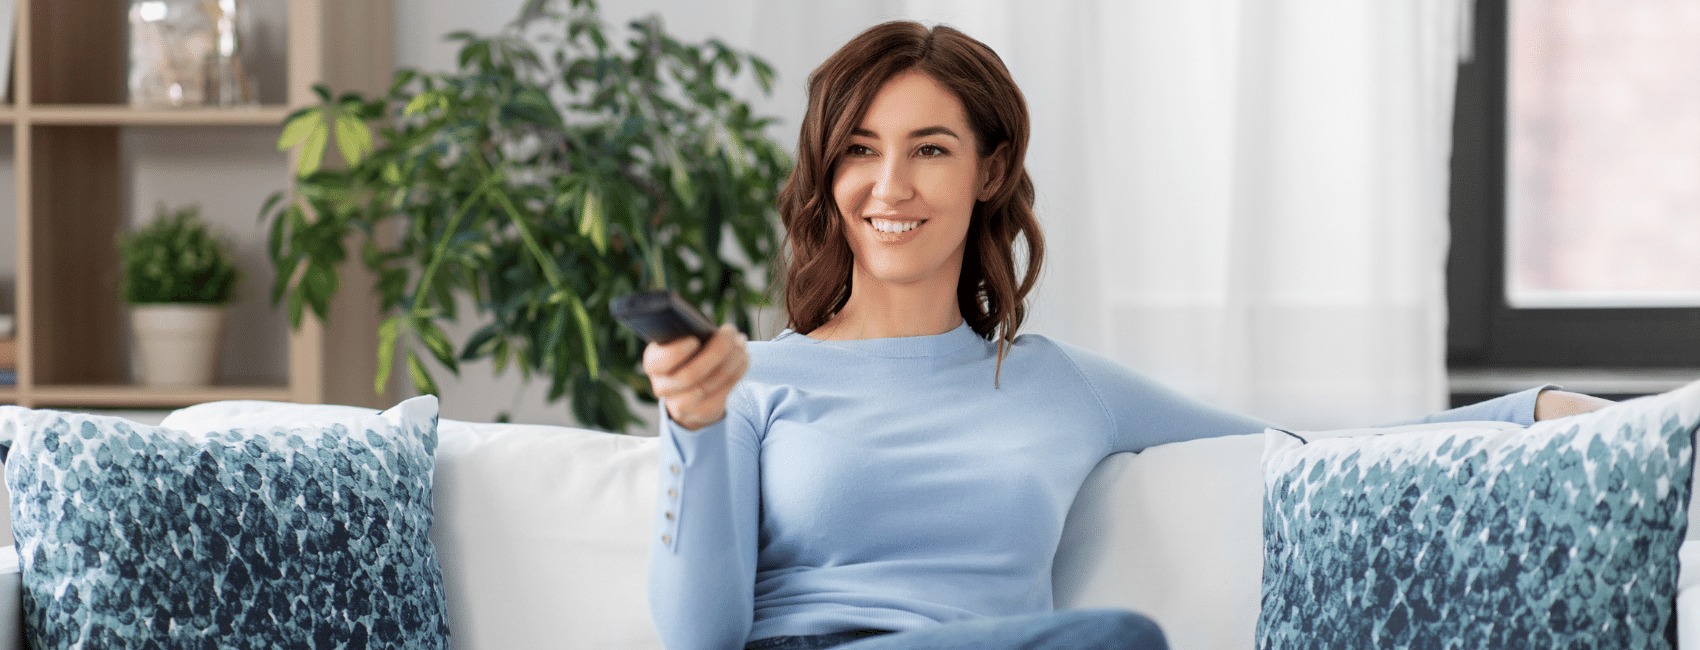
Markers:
point(176, 345)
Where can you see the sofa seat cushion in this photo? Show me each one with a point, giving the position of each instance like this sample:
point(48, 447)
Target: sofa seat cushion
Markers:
point(294, 534)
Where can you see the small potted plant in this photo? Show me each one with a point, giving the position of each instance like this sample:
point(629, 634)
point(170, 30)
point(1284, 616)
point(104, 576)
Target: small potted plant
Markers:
point(177, 278)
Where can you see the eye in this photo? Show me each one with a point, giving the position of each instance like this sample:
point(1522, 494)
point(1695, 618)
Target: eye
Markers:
point(931, 151)
point(858, 150)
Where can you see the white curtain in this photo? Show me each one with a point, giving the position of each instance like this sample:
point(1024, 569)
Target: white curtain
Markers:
point(1270, 194)
point(1243, 199)
point(1271, 198)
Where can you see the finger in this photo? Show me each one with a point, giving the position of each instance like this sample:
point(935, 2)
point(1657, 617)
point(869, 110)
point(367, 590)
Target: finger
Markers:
point(713, 408)
point(698, 405)
point(706, 361)
point(686, 382)
point(665, 358)
point(727, 374)
point(714, 399)
point(733, 364)
point(707, 401)
point(730, 371)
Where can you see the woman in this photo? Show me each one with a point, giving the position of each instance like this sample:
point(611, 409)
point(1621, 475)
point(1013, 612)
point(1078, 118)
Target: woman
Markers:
point(894, 470)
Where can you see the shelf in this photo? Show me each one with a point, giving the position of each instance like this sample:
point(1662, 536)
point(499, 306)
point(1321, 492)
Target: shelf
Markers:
point(84, 166)
point(141, 396)
point(123, 115)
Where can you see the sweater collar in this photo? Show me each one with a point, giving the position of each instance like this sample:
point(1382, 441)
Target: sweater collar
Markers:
point(930, 345)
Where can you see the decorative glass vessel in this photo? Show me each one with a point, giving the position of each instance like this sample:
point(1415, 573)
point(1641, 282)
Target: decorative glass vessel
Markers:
point(229, 82)
point(170, 42)
point(187, 53)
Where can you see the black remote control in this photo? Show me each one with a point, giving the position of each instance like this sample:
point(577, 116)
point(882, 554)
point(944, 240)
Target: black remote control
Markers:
point(662, 317)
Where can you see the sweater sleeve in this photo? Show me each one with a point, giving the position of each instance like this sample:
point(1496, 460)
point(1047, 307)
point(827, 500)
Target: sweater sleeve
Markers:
point(1518, 408)
point(702, 559)
point(1144, 413)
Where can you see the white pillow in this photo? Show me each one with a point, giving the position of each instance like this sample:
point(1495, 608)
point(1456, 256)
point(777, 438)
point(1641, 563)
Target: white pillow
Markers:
point(542, 531)
point(545, 535)
point(1175, 533)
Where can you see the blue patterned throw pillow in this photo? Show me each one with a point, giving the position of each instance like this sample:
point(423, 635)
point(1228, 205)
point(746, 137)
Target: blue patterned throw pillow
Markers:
point(1564, 534)
point(288, 536)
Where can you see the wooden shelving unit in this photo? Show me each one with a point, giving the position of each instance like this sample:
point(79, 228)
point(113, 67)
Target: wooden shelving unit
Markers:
point(145, 397)
point(68, 119)
point(98, 115)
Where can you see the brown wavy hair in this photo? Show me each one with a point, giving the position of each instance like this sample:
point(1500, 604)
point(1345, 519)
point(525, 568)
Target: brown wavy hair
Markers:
point(818, 269)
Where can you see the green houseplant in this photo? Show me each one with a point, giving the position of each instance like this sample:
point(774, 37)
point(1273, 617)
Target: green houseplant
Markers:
point(552, 172)
point(177, 277)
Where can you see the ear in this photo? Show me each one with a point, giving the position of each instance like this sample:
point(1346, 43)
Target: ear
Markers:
point(993, 168)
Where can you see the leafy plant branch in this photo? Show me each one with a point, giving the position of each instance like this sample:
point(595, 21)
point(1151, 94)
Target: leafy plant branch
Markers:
point(553, 171)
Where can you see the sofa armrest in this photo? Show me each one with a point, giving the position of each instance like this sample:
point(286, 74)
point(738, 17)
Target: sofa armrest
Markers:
point(11, 601)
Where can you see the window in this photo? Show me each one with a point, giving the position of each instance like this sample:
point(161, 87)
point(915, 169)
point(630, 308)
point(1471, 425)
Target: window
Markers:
point(1575, 200)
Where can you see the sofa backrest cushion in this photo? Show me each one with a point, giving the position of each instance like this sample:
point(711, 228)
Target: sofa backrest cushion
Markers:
point(1174, 532)
point(543, 534)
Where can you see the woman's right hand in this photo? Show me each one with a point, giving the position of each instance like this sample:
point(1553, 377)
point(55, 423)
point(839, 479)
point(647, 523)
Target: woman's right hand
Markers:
point(695, 378)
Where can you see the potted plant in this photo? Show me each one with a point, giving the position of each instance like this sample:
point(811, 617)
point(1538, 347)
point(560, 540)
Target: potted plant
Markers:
point(554, 171)
point(177, 278)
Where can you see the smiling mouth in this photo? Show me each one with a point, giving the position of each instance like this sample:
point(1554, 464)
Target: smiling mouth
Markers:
point(892, 226)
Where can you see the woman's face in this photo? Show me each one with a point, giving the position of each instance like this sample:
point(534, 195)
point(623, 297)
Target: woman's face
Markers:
point(907, 183)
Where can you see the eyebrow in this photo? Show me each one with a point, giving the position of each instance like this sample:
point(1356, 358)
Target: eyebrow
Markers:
point(917, 133)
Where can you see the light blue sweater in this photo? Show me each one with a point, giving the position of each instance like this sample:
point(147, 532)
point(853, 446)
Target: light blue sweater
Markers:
point(886, 484)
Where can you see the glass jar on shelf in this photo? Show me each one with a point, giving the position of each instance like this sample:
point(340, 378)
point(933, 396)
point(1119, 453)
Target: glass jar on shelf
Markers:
point(186, 53)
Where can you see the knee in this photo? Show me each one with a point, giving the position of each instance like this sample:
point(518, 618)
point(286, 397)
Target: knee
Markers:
point(1131, 631)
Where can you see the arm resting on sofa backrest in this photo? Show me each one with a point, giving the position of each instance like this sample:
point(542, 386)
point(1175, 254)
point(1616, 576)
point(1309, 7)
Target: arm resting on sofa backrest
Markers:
point(11, 601)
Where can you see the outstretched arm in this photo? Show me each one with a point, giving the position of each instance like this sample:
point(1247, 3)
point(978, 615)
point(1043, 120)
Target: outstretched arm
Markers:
point(1518, 408)
point(702, 555)
point(1145, 413)
point(702, 561)
point(1523, 407)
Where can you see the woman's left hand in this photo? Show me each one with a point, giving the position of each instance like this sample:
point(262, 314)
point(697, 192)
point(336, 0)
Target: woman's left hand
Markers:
point(1554, 404)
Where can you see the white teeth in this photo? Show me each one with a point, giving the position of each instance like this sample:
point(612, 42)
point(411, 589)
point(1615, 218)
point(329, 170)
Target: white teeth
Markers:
point(886, 225)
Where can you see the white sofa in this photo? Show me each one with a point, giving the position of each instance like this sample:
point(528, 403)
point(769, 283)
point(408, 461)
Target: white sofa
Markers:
point(543, 534)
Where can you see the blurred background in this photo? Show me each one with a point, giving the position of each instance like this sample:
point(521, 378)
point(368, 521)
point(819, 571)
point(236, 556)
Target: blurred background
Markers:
point(1322, 213)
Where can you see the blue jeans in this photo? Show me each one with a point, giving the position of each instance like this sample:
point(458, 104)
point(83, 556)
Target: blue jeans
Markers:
point(1075, 629)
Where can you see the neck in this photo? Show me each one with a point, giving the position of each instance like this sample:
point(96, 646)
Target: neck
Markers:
point(888, 310)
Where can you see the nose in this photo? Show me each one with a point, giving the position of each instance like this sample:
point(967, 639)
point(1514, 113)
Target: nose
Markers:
point(894, 185)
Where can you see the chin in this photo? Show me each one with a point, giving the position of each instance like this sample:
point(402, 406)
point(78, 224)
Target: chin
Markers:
point(899, 274)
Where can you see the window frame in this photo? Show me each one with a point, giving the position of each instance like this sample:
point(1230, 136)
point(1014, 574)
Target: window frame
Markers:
point(1484, 330)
